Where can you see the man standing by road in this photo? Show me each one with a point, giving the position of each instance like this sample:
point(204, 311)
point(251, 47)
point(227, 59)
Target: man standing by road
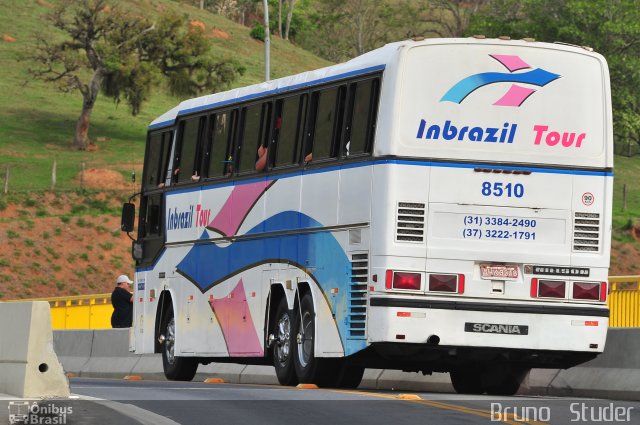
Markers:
point(122, 301)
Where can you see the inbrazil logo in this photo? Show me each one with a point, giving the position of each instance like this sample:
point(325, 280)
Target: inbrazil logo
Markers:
point(185, 219)
point(516, 95)
point(449, 131)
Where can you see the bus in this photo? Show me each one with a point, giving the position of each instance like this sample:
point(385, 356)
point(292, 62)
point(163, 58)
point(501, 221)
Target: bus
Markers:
point(435, 205)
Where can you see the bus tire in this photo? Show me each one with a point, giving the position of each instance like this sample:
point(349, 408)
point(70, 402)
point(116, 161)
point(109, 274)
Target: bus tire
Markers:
point(310, 369)
point(466, 381)
point(349, 376)
point(175, 368)
point(283, 347)
point(509, 383)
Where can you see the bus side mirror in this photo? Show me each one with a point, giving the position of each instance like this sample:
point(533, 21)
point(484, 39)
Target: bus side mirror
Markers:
point(128, 217)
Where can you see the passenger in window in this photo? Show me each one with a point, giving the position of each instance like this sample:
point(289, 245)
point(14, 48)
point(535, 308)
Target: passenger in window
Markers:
point(263, 151)
point(261, 163)
point(228, 168)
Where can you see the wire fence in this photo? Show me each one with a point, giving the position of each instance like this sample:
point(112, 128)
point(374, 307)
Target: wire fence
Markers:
point(64, 175)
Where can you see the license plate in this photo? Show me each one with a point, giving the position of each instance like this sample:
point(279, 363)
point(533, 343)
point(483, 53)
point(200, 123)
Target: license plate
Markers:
point(502, 272)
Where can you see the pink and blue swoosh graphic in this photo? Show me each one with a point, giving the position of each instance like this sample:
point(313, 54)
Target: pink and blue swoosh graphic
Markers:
point(516, 95)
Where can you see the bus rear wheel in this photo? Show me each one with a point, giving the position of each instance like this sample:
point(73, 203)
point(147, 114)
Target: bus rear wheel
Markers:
point(175, 368)
point(283, 350)
point(466, 381)
point(310, 369)
point(349, 375)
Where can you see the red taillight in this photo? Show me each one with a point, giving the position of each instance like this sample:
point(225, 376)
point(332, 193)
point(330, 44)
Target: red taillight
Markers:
point(586, 291)
point(551, 289)
point(443, 283)
point(534, 288)
point(402, 280)
point(388, 279)
point(460, 284)
point(593, 291)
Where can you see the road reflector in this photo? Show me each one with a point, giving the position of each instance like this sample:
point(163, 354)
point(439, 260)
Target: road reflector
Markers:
point(214, 381)
point(133, 378)
point(307, 387)
point(408, 397)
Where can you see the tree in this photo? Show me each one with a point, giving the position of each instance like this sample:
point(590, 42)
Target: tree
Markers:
point(106, 49)
point(343, 29)
point(612, 28)
point(442, 18)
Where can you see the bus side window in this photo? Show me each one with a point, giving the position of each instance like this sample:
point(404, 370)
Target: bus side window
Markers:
point(255, 128)
point(157, 159)
point(167, 139)
point(327, 117)
point(187, 164)
point(360, 128)
point(288, 130)
point(220, 136)
point(151, 213)
point(152, 161)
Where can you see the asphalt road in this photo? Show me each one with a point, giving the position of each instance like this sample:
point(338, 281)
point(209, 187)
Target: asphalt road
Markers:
point(167, 403)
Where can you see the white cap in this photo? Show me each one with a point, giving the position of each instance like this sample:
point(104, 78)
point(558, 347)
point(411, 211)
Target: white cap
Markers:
point(122, 279)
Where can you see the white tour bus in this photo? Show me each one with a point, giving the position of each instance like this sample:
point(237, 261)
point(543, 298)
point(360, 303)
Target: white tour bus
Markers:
point(438, 205)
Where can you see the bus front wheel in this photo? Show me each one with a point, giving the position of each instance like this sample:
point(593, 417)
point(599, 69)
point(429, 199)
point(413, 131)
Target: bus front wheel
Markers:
point(175, 368)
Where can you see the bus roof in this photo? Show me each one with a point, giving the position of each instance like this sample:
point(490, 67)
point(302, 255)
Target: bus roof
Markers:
point(375, 60)
point(369, 62)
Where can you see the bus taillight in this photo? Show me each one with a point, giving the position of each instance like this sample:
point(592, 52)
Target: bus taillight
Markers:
point(446, 283)
point(593, 291)
point(410, 281)
point(548, 288)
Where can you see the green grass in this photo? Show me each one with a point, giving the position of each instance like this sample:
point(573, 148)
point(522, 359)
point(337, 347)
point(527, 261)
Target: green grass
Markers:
point(37, 125)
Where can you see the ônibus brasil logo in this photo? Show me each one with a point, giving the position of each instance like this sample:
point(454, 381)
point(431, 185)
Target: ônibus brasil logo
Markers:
point(516, 95)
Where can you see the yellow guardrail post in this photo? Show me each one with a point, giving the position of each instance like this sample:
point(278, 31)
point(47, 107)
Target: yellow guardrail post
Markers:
point(624, 301)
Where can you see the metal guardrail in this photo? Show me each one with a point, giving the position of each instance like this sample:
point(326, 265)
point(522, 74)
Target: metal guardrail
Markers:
point(94, 311)
point(624, 301)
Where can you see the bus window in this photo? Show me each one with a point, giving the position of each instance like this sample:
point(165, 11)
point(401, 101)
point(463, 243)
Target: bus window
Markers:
point(167, 139)
point(187, 164)
point(221, 130)
point(158, 148)
point(328, 113)
point(152, 164)
point(150, 227)
point(359, 131)
point(254, 129)
point(288, 128)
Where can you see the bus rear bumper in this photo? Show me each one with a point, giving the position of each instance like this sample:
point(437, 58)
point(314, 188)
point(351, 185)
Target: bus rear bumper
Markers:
point(472, 324)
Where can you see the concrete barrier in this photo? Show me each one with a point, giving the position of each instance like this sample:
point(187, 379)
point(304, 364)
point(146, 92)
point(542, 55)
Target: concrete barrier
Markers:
point(614, 374)
point(29, 366)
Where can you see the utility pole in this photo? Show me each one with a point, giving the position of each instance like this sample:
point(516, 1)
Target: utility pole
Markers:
point(267, 40)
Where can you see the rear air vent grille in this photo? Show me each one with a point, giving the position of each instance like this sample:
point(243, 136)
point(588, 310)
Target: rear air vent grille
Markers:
point(586, 232)
point(358, 296)
point(410, 222)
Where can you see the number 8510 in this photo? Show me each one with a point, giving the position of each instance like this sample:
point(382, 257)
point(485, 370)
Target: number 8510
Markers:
point(509, 190)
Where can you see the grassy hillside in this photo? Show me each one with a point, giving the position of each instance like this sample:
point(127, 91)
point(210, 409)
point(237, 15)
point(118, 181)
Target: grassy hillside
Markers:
point(37, 122)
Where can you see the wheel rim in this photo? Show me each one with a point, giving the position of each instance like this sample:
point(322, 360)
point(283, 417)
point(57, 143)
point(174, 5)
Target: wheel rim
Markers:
point(305, 344)
point(169, 343)
point(283, 347)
